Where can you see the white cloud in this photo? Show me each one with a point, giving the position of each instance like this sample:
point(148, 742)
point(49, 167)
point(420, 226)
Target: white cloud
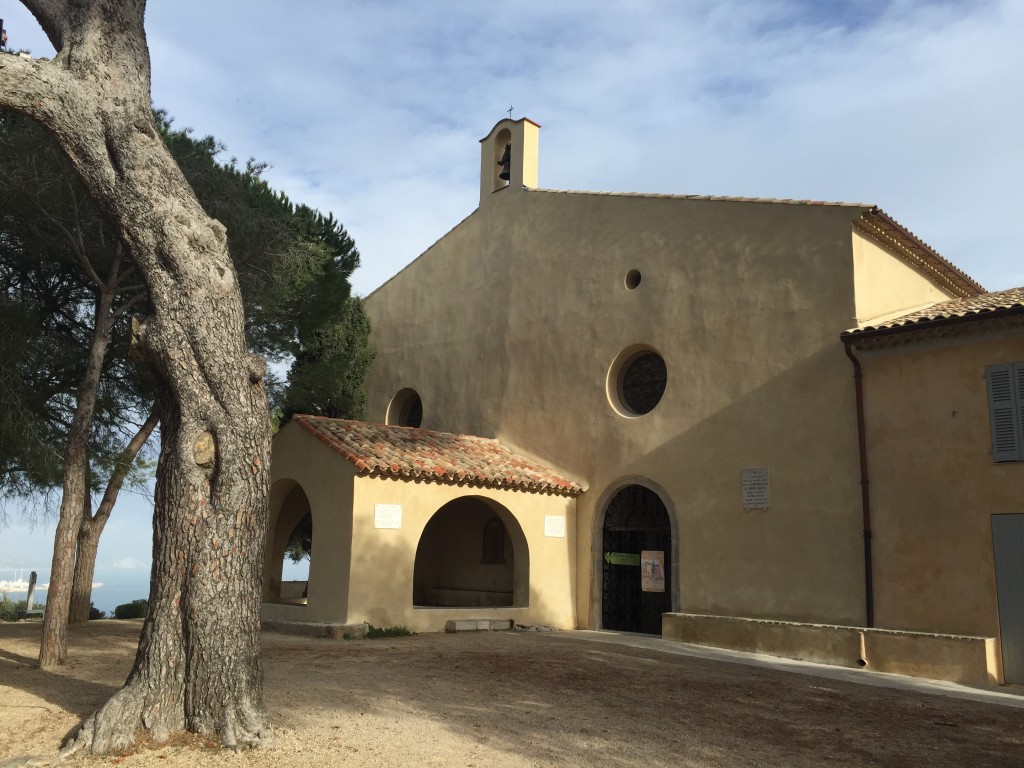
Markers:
point(130, 564)
point(373, 110)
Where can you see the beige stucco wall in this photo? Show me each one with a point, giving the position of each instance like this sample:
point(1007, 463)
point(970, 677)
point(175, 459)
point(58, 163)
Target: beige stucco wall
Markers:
point(934, 486)
point(359, 573)
point(299, 459)
point(887, 286)
point(508, 326)
point(523, 134)
point(383, 559)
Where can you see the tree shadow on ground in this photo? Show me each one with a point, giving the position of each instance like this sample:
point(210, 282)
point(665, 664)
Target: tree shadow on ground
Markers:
point(67, 687)
point(556, 700)
point(544, 699)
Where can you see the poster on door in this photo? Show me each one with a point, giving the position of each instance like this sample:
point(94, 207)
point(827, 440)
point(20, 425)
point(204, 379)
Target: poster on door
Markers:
point(652, 571)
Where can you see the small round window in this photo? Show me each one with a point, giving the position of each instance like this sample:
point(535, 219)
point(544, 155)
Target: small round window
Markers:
point(637, 381)
point(632, 279)
point(406, 409)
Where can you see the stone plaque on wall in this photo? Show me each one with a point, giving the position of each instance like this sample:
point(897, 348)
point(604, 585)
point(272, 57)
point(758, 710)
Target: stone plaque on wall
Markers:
point(387, 515)
point(756, 488)
point(554, 526)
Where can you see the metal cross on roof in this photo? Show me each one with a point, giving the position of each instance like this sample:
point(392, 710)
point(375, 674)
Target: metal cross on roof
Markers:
point(510, 113)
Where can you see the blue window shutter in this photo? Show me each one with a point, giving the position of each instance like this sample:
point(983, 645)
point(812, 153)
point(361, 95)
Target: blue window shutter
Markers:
point(1005, 405)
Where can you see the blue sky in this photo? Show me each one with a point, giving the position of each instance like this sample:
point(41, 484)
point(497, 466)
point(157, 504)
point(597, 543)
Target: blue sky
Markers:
point(372, 110)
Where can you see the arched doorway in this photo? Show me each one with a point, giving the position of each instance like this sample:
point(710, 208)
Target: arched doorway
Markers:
point(636, 561)
point(289, 546)
point(472, 553)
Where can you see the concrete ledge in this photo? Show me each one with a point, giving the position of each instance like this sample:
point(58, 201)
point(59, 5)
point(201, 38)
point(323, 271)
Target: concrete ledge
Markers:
point(467, 598)
point(293, 589)
point(959, 658)
point(478, 625)
point(314, 629)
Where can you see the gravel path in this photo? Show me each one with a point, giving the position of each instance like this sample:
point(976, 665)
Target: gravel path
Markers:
point(516, 699)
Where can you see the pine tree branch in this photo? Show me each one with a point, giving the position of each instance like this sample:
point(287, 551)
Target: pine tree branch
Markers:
point(121, 467)
point(121, 309)
point(36, 88)
point(50, 15)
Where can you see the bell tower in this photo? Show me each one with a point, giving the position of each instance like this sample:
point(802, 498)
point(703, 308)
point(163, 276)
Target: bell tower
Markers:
point(508, 158)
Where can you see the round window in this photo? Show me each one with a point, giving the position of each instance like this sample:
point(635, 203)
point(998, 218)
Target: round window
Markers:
point(405, 410)
point(637, 381)
point(632, 279)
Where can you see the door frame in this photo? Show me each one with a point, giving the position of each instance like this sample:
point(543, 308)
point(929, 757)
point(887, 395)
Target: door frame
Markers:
point(597, 543)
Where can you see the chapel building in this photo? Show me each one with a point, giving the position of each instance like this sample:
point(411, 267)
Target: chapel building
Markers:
point(772, 425)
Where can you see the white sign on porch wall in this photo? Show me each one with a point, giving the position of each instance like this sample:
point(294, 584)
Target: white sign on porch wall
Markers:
point(554, 526)
point(387, 515)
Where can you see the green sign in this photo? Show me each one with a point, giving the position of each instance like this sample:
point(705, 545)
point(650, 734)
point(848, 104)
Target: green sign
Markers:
point(621, 558)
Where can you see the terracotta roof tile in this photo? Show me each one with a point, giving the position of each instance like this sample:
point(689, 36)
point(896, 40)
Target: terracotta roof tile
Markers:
point(974, 307)
point(378, 449)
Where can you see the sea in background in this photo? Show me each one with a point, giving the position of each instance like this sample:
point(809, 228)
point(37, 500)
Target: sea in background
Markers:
point(112, 586)
point(122, 559)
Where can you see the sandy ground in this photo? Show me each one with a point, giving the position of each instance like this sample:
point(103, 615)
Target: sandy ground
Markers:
point(515, 699)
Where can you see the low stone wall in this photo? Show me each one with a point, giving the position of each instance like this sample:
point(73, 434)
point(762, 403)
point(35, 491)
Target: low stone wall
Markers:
point(959, 658)
point(315, 629)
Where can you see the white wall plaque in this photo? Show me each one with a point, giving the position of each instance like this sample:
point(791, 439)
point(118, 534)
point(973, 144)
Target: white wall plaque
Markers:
point(387, 515)
point(756, 489)
point(554, 526)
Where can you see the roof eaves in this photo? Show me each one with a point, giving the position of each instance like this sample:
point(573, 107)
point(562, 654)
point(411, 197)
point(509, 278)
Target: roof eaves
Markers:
point(879, 226)
point(864, 334)
point(553, 484)
point(707, 198)
point(438, 475)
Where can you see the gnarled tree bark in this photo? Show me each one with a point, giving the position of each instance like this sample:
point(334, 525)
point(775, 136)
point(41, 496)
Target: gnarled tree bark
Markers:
point(198, 664)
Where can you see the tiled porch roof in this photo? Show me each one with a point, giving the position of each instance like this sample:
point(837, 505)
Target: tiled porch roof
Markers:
point(991, 304)
point(422, 454)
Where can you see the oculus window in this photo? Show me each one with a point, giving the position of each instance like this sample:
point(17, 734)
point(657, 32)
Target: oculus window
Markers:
point(637, 381)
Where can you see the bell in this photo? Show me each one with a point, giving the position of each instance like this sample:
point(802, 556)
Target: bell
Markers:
point(506, 163)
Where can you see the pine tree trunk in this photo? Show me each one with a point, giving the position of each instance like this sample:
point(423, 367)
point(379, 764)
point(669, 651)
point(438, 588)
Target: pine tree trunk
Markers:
point(54, 645)
point(85, 567)
point(92, 525)
point(198, 665)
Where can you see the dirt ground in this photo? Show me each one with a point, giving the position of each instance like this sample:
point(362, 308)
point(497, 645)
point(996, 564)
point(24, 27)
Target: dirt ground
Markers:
point(515, 699)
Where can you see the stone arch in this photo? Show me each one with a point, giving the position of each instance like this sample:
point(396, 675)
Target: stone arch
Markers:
point(454, 565)
point(288, 506)
point(597, 543)
point(502, 144)
point(405, 409)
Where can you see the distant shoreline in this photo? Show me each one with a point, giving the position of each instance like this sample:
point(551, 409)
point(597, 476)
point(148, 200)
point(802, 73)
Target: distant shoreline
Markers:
point(112, 588)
